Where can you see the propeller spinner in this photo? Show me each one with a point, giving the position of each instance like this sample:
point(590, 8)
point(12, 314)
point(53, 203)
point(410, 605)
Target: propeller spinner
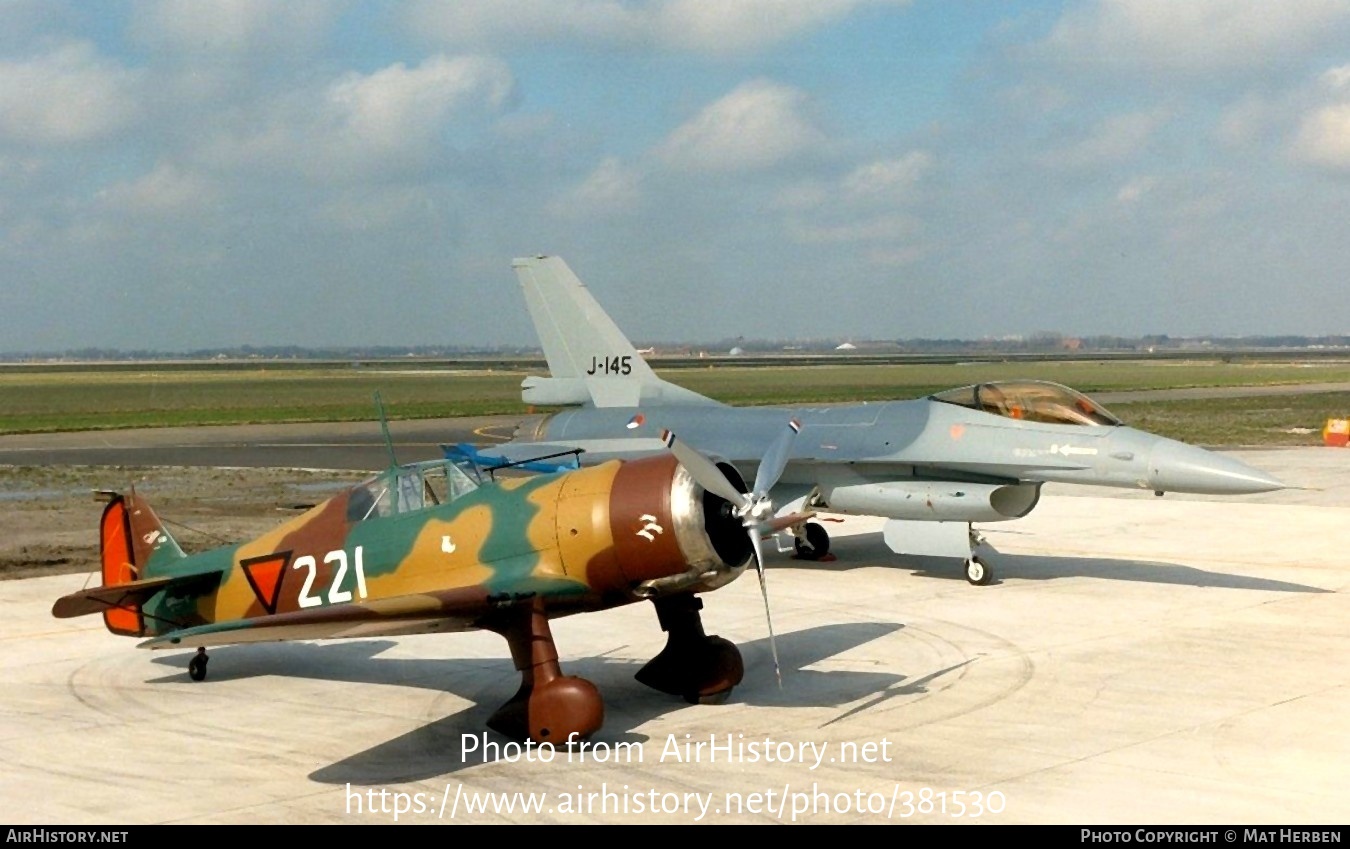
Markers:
point(754, 509)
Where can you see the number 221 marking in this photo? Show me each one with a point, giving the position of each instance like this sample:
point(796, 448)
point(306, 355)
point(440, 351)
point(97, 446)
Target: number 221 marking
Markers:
point(336, 595)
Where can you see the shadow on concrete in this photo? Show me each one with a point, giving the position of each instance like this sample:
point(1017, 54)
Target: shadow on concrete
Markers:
point(868, 550)
point(434, 749)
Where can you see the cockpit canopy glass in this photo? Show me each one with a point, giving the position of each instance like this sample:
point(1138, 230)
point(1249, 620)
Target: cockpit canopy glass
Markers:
point(1032, 401)
point(413, 487)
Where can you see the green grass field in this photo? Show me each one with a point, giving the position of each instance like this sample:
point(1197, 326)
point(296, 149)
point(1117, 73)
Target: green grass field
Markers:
point(98, 398)
point(1229, 422)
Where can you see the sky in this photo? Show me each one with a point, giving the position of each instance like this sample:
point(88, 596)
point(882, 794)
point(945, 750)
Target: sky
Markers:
point(184, 174)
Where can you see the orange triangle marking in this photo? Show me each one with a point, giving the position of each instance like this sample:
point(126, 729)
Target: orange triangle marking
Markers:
point(265, 575)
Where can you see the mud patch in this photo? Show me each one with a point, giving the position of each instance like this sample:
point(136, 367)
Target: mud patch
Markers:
point(49, 514)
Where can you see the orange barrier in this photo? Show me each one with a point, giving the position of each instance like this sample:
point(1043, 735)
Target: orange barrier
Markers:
point(1336, 433)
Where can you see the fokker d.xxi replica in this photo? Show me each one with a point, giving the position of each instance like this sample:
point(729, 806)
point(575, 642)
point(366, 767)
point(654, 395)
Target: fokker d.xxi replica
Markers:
point(931, 466)
point(437, 546)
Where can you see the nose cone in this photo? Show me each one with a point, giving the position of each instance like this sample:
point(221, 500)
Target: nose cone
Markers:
point(1178, 467)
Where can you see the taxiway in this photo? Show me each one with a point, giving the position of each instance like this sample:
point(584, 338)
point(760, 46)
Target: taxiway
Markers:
point(1139, 660)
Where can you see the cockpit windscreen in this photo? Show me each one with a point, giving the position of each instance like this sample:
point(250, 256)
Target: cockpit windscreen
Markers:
point(1032, 401)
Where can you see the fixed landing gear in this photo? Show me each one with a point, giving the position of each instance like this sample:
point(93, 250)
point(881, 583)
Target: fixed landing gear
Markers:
point(812, 542)
point(197, 666)
point(549, 707)
point(699, 668)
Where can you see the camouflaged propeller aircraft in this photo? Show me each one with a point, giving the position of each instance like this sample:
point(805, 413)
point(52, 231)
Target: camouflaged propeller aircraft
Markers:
point(437, 546)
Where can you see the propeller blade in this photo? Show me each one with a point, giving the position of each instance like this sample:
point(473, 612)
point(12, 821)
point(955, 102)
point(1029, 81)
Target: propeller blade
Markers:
point(704, 471)
point(764, 591)
point(754, 511)
point(775, 459)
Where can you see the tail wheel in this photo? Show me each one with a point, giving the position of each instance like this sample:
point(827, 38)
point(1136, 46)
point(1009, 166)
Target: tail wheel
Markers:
point(816, 545)
point(197, 666)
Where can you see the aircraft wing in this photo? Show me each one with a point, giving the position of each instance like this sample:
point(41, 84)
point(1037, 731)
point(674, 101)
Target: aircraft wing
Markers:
point(456, 609)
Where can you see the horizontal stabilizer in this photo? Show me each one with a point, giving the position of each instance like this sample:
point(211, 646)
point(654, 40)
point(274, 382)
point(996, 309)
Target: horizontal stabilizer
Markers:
point(129, 595)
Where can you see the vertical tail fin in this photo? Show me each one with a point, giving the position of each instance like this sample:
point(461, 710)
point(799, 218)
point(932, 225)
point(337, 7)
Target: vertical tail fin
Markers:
point(590, 361)
point(131, 543)
point(151, 543)
point(135, 553)
point(119, 566)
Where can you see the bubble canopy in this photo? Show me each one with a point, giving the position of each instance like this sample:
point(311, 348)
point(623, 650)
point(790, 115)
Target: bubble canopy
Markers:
point(1032, 401)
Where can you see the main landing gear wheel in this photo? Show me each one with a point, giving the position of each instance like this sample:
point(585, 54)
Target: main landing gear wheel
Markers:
point(197, 666)
point(549, 707)
point(978, 573)
point(815, 546)
point(699, 668)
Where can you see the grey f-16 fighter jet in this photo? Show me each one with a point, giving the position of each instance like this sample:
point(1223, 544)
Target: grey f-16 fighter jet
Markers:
point(930, 466)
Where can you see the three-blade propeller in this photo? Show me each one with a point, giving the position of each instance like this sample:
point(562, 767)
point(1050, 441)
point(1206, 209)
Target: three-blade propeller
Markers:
point(755, 508)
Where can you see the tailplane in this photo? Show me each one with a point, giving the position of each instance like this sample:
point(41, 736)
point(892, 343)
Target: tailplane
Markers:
point(590, 361)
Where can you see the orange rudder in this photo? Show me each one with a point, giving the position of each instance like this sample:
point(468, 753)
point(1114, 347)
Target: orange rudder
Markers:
point(119, 567)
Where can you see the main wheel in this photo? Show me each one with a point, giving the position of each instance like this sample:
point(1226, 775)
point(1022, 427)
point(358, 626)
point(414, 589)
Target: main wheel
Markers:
point(816, 545)
point(197, 667)
point(978, 573)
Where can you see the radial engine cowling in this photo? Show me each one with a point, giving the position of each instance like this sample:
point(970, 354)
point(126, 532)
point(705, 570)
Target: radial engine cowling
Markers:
point(644, 528)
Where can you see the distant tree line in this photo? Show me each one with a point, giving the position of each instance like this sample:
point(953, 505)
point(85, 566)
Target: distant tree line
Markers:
point(1047, 341)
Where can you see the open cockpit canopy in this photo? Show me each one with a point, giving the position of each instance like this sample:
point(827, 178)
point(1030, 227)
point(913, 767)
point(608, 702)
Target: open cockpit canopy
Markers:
point(1032, 401)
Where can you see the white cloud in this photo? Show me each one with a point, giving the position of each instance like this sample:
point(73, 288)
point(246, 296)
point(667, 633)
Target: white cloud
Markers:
point(611, 187)
point(1248, 120)
point(890, 179)
point(166, 189)
point(398, 106)
point(513, 21)
point(736, 25)
point(890, 228)
point(1337, 79)
point(1035, 97)
point(869, 209)
point(66, 96)
point(364, 123)
point(231, 26)
point(1324, 137)
point(757, 125)
point(1114, 139)
point(695, 25)
point(1134, 190)
point(1197, 35)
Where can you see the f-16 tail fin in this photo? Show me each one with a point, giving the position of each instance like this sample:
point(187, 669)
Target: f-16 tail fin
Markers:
point(590, 361)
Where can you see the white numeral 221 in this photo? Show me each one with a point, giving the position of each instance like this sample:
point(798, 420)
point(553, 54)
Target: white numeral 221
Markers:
point(335, 595)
